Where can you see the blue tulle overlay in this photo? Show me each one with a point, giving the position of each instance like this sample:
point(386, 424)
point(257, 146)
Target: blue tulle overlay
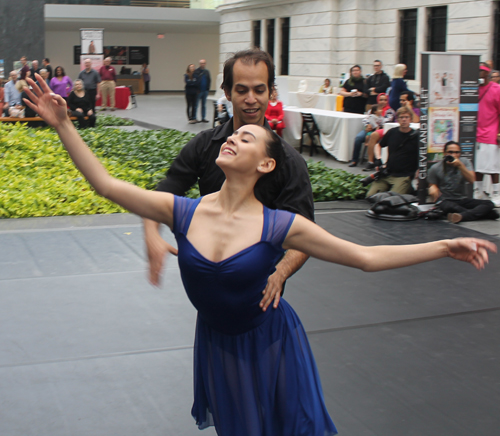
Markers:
point(254, 371)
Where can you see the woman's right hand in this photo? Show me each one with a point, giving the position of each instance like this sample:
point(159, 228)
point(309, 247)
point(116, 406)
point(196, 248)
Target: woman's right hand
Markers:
point(51, 107)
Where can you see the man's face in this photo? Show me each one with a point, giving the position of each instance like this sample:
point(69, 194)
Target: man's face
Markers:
point(377, 67)
point(250, 93)
point(88, 65)
point(203, 64)
point(13, 76)
point(404, 121)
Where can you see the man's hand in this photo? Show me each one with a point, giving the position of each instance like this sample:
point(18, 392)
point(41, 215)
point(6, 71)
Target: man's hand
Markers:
point(292, 261)
point(157, 248)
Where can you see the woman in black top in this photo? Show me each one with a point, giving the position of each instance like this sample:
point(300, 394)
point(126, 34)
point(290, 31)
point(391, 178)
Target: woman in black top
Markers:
point(352, 91)
point(191, 93)
point(80, 106)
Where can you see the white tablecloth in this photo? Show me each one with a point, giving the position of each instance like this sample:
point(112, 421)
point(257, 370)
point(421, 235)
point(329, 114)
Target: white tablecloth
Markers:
point(337, 130)
point(313, 100)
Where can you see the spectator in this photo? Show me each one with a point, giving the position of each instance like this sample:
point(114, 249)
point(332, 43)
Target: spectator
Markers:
point(48, 67)
point(487, 159)
point(60, 83)
point(108, 84)
point(145, 77)
point(91, 80)
point(191, 90)
point(275, 114)
point(326, 88)
point(407, 98)
point(398, 85)
point(12, 97)
point(203, 79)
point(24, 69)
point(34, 69)
point(80, 105)
point(377, 83)
point(352, 91)
point(373, 121)
point(447, 180)
point(402, 163)
point(495, 76)
point(45, 75)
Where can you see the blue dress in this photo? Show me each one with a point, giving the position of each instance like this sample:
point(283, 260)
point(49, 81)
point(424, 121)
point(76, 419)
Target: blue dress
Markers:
point(254, 372)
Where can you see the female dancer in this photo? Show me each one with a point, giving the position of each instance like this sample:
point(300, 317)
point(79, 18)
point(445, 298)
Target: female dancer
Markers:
point(254, 371)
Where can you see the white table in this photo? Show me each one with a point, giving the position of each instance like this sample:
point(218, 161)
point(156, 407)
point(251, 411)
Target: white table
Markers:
point(313, 100)
point(337, 129)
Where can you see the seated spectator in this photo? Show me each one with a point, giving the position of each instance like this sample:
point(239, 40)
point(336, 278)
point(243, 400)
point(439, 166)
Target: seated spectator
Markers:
point(372, 122)
point(12, 97)
point(407, 98)
point(352, 91)
point(326, 88)
point(80, 106)
point(398, 85)
point(60, 83)
point(447, 180)
point(224, 109)
point(275, 114)
point(402, 162)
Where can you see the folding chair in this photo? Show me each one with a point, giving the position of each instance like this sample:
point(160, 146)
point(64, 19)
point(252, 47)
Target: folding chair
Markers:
point(310, 128)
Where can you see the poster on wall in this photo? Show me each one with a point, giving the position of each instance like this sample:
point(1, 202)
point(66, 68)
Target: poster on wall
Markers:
point(117, 53)
point(138, 55)
point(448, 105)
point(91, 41)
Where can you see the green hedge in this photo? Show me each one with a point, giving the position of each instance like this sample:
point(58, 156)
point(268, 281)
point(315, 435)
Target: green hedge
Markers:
point(37, 178)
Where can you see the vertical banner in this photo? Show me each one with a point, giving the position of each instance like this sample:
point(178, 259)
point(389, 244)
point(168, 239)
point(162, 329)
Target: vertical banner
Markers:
point(91, 41)
point(448, 104)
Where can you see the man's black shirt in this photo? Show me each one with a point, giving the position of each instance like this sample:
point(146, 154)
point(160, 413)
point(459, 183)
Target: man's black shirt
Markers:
point(196, 162)
point(403, 152)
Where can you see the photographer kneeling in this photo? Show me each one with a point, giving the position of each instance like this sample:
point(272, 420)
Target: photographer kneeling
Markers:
point(402, 162)
point(447, 186)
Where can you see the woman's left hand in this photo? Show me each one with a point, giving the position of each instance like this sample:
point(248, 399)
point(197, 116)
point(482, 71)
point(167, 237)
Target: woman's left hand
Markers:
point(472, 250)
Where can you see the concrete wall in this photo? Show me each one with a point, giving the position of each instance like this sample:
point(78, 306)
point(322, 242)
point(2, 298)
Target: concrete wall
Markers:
point(169, 57)
point(22, 31)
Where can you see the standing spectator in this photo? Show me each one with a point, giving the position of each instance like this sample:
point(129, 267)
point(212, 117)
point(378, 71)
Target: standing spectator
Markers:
point(326, 88)
point(487, 149)
point(60, 83)
point(495, 76)
point(191, 90)
point(24, 69)
point(377, 83)
point(447, 180)
point(203, 77)
point(275, 114)
point(34, 69)
point(145, 77)
point(12, 97)
point(48, 67)
point(398, 85)
point(91, 80)
point(80, 106)
point(352, 91)
point(108, 84)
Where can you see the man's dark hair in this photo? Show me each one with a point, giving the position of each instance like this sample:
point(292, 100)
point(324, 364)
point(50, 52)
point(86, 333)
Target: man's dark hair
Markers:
point(47, 60)
point(410, 94)
point(451, 143)
point(248, 57)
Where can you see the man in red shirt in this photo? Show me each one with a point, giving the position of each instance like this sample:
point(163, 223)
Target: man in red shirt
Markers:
point(487, 159)
point(108, 84)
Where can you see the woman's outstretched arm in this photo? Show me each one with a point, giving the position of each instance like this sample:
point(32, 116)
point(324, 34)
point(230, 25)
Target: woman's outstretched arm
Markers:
point(157, 206)
point(311, 239)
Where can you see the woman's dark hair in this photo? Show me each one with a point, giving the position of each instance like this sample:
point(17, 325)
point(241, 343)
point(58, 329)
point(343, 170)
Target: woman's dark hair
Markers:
point(62, 71)
point(247, 57)
point(274, 150)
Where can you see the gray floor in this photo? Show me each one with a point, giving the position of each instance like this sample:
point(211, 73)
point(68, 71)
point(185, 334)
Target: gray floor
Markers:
point(90, 348)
